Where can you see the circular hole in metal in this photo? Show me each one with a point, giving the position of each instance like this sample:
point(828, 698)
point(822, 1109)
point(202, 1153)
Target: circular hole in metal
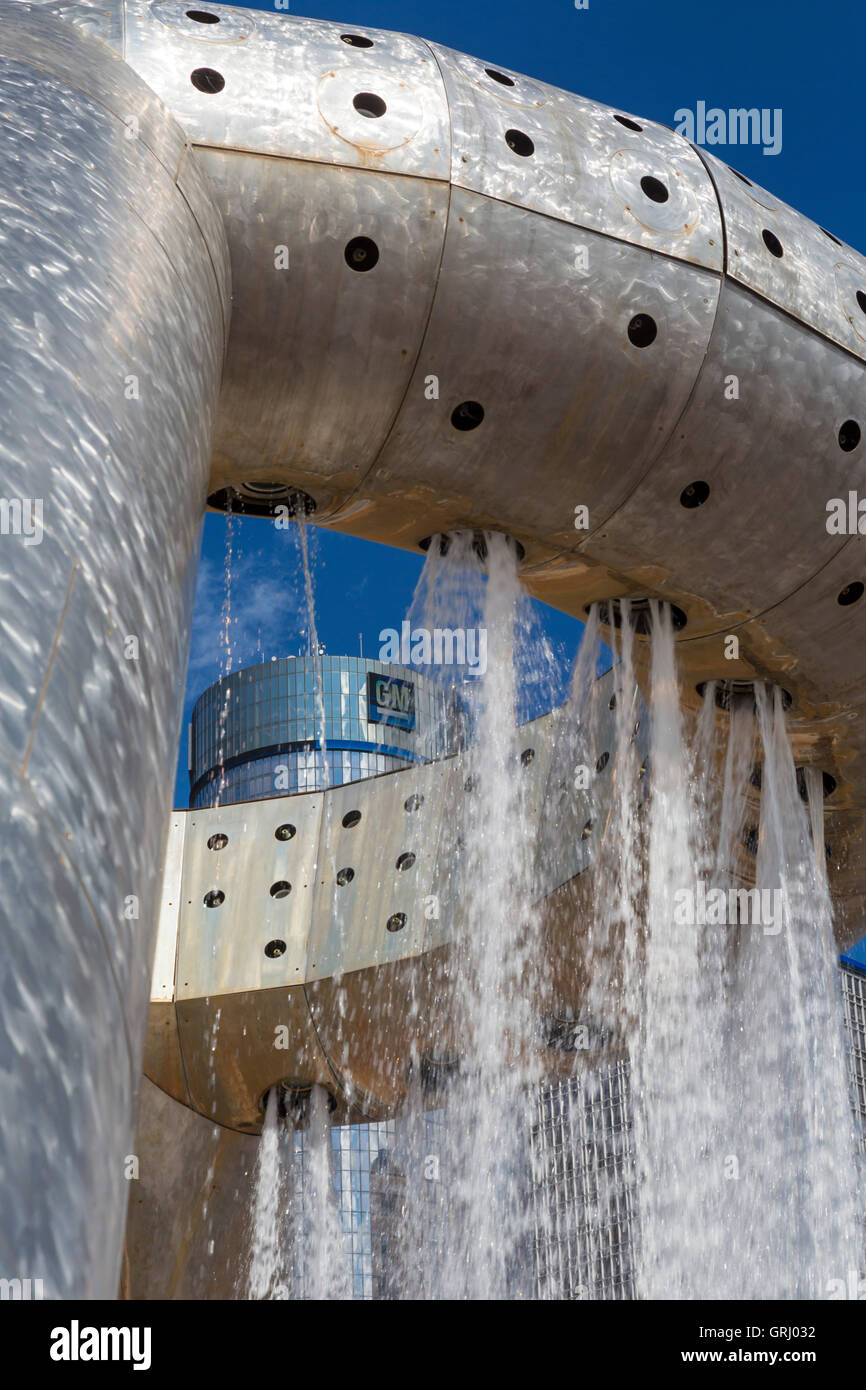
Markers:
point(527, 757)
point(361, 253)
point(207, 80)
point(500, 77)
point(396, 922)
point(285, 832)
point(587, 830)
point(628, 122)
point(413, 802)
point(742, 178)
point(218, 841)
point(356, 40)
point(369, 104)
point(281, 889)
point(861, 300)
point(772, 243)
point(849, 436)
point(831, 236)
point(654, 189)
point(642, 330)
point(611, 704)
point(519, 142)
point(345, 876)
point(695, 495)
point(734, 693)
point(471, 784)
point(850, 594)
point(828, 783)
point(479, 544)
point(467, 415)
point(602, 761)
point(275, 949)
point(261, 498)
point(203, 17)
point(351, 818)
point(405, 861)
point(640, 613)
point(214, 898)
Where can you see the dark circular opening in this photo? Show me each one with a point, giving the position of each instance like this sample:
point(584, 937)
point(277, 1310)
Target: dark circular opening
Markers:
point(861, 300)
point(356, 40)
point(610, 613)
point(214, 898)
point(772, 243)
point(479, 544)
point(742, 178)
point(735, 694)
point(628, 123)
point(351, 818)
point(527, 757)
point(262, 499)
point(218, 841)
point(500, 77)
point(275, 949)
point(642, 330)
point(203, 17)
point(285, 832)
point(405, 861)
point(413, 802)
point(611, 704)
point(519, 142)
point(471, 784)
point(849, 436)
point(207, 80)
point(602, 761)
point(345, 876)
point(828, 783)
point(361, 253)
point(831, 236)
point(850, 594)
point(281, 889)
point(695, 495)
point(368, 104)
point(587, 830)
point(467, 416)
point(396, 922)
point(654, 189)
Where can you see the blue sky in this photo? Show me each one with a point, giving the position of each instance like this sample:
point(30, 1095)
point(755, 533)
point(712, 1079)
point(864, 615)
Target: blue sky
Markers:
point(649, 59)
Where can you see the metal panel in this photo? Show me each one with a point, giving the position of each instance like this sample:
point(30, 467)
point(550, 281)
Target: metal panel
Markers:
point(320, 354)
point(290, 86)
point(586, 166)
point(574, 413)
point(222, 948)
point(771, 459)
point(803, 279)
point(105, 277)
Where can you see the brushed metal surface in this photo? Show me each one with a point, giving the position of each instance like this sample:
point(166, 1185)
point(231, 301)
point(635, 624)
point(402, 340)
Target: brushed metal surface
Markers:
point(107, 278)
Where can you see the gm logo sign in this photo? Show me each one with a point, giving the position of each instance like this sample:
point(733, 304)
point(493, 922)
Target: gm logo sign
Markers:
point(390, 700)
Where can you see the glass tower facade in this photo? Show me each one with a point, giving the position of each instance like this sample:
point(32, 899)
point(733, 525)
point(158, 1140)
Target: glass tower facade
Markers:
point(298, 724)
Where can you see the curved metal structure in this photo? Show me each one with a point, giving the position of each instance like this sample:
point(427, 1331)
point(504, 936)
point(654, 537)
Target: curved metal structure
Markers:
point(461, 298)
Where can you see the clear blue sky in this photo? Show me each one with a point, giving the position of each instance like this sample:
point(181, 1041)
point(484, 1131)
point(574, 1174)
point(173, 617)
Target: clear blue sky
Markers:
point(650, 59)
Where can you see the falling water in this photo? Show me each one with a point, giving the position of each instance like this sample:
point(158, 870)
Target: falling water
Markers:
point(268, 1232)
point(320, 755)
point(731, 1003)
